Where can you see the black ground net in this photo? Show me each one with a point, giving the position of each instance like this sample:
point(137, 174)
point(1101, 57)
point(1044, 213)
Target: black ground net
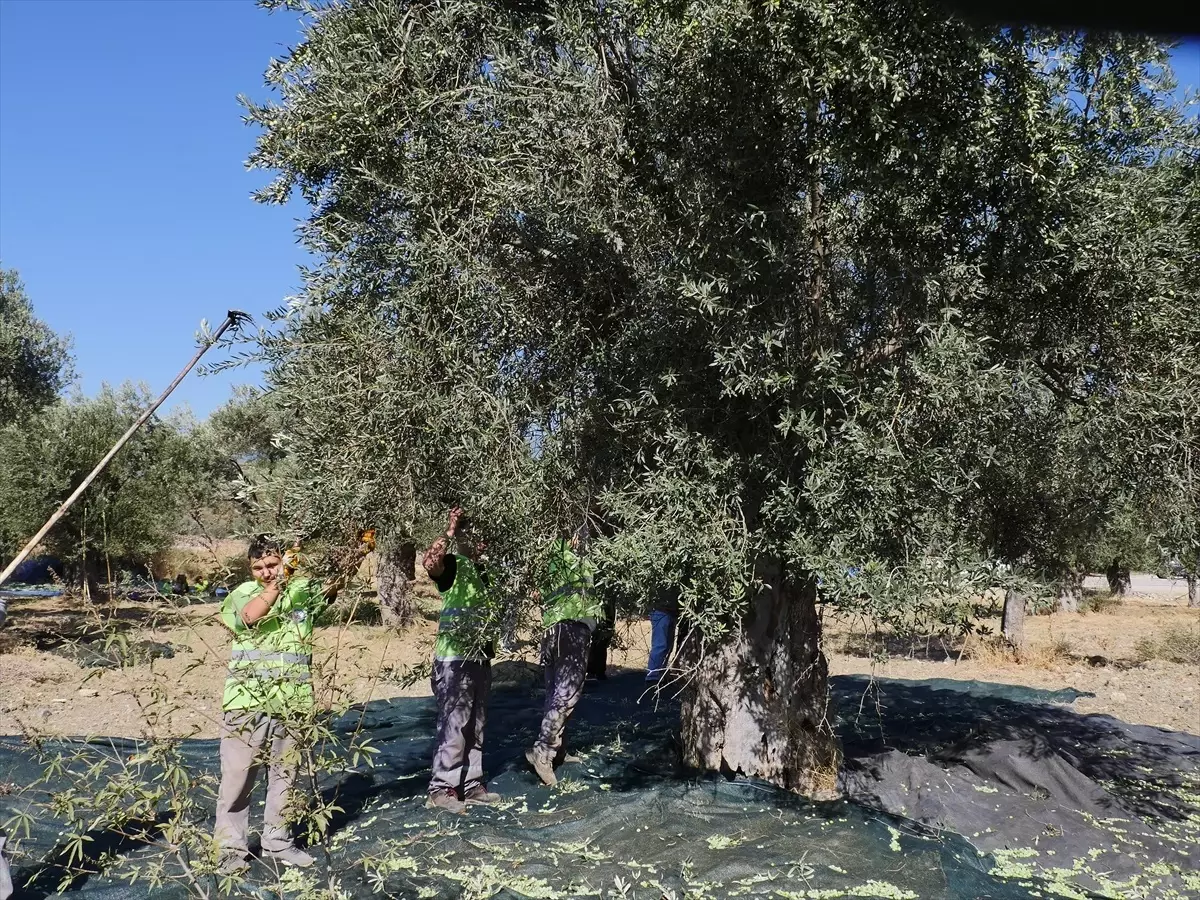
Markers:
point(991, 792)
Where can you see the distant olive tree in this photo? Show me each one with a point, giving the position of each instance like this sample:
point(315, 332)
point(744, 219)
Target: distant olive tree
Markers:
point(35, 363)
point(132, 511)
point(249, 466)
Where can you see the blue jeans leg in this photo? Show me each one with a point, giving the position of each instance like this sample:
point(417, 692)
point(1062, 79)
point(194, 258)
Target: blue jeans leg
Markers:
point(662, 637)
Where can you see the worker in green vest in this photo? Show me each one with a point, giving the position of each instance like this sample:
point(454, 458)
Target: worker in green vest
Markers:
point(462, 668)
point(572, 610)
point(268, 694)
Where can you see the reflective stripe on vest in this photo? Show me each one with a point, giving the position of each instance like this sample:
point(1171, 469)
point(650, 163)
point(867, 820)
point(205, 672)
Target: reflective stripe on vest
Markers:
point(240, 654)
point(241, 675)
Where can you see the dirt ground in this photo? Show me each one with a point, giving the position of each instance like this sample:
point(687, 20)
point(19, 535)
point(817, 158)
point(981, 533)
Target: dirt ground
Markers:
point(44, 692)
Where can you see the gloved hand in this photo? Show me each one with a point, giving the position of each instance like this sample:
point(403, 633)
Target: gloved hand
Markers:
point(291, 561)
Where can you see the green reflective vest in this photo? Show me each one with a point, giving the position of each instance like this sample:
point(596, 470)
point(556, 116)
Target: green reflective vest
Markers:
point(270, 668)
point(465, 630)
point(569, 593)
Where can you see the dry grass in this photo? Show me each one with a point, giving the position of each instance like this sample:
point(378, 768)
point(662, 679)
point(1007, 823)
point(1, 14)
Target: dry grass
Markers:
point(1177, 645)
point(1052, 655)
point(997, 651)
point(993, 651)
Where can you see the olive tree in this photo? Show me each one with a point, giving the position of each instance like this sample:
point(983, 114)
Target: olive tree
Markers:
point(132, 511)
point(248, 465)
point(766, 287)
point(35, 363)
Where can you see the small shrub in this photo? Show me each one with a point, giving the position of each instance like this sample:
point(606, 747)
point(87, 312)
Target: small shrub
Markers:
point(1100, 601)
point(993, 650)
point(1046, 656)
point(1042, 605)
point(1177, 645)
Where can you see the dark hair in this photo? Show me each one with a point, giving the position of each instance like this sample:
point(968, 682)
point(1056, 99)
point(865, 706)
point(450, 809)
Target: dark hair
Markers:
point(263, 545)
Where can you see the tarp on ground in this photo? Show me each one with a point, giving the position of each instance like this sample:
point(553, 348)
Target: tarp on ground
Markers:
point(953, 794)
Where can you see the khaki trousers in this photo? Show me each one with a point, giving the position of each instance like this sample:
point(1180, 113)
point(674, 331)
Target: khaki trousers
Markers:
point(248, 740)
point(6, 885)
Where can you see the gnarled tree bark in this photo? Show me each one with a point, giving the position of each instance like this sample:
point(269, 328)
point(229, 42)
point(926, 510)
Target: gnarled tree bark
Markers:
point(1193, 596)
point(1013, 622)
point(757, 703)
point(1120, 579)
point(1070, 594)
point(394, 579)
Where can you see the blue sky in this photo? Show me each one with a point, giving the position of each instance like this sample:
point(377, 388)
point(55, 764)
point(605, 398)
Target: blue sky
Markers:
point(124, 203)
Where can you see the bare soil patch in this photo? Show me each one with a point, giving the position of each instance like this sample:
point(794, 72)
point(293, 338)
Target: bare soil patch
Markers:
point(42, 691)
point(1098, 652)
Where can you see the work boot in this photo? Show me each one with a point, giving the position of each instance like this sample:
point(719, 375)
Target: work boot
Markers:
point(479, 795)
point(232, 862)
point(290, 856)
point(445, 800)
point(543, 764)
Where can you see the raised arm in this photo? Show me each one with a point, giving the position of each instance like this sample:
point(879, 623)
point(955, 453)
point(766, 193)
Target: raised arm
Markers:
point(434, 559)
point(260, 604)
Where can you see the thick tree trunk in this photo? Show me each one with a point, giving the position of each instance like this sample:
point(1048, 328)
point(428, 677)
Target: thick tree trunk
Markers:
point(757, 704)
point(394, 576)
point(1120, 579)
point(1071, 593)
point(1193, 597)
point(1013, 622)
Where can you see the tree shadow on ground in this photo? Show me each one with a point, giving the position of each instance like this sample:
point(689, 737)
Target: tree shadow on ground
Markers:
point(59, 872)
point(49, 623)
point(863, 645)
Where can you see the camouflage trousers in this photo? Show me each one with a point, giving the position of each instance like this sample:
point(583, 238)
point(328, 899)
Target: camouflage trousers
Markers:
point(461, 689)
point(565, 659)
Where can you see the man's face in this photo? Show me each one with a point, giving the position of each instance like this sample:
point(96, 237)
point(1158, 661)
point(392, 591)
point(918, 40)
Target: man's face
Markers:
point(266, 569)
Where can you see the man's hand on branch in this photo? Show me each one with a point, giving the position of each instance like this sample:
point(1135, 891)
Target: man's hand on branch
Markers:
point(456, 515)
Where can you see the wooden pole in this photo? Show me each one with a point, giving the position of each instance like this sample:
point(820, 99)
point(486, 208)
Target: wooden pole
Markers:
point(234, 318)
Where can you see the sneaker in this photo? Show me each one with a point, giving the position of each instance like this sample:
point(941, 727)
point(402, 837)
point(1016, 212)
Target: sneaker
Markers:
point(542, 765)
point(445, 800)
point(232, 863)
point(290, 856)
point(479, 795)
